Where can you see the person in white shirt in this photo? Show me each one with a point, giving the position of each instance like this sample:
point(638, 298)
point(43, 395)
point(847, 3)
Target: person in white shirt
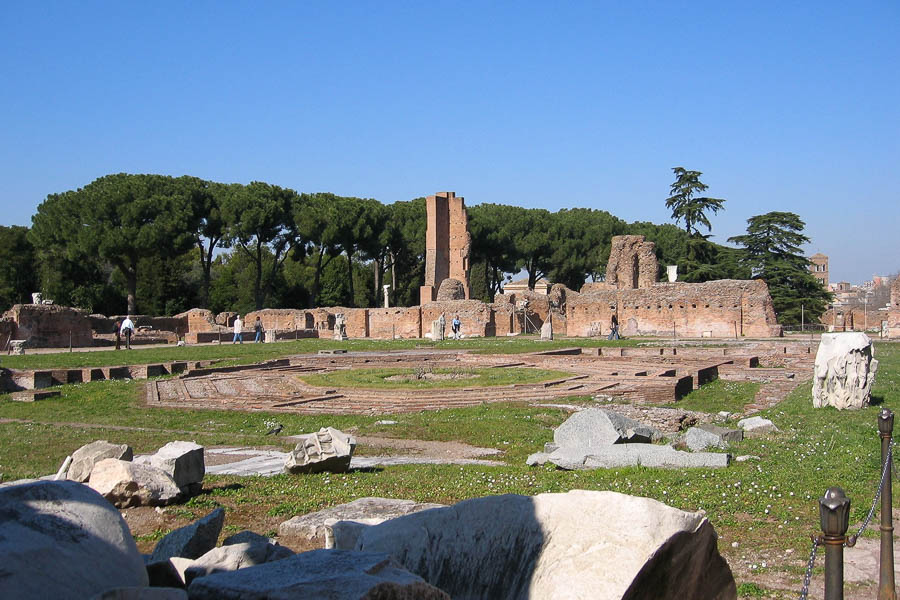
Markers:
point(127, 329)
point(238, 325)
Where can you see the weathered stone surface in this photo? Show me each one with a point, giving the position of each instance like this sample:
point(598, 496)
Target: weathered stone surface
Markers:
point(234, 557)
point(142, 593)
point(756, 426)
point(632, 455)
point(538, 458)
point(84, 458)
point(710, 436)
point(451, 289)
point(311, 527)
point(595, 428)
point(184, 461)
point(547, 331)
point(632, 262)
point(844, 371)
point(60, 539)
point(506, 547)
point(332, 574)
point(328, 449)
point(191, 541)
point(127, 484)
point(247, 536)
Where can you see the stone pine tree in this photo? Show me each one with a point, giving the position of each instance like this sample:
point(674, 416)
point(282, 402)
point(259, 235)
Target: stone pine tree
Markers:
point(121, 219)
point(771, 249)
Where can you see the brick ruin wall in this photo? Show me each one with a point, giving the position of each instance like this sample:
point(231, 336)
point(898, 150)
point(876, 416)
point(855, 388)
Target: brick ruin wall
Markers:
point(49, 326)
point(632, 263)
point(856, 318)
point(476, 317)
point(723, 308)
point(400, 322)
point(894, 310)
point(447, 244)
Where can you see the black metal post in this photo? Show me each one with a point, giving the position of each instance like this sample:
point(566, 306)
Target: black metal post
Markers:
point(834, 516)
point(886, 589)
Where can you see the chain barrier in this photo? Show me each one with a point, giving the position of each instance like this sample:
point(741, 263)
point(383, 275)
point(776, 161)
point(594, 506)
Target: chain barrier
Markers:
point(804, 591)
point(851, 541)
point(886, 467)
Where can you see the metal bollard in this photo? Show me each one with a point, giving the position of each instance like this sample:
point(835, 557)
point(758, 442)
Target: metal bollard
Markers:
point(886, 589)
point(834, 516)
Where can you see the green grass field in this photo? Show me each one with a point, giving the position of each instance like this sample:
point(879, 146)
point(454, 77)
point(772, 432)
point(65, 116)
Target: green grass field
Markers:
point(768, 505)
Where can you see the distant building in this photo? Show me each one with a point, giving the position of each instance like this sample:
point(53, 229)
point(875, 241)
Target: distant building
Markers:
point(819, 268)
point(541, 286)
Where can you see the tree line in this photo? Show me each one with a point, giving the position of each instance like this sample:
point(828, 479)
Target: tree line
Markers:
point(155, 244)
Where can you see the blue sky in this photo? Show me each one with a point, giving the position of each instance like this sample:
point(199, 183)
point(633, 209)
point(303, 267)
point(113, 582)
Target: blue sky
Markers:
point(782, 105)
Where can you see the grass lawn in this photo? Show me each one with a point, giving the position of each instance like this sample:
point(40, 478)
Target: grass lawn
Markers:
point(249, 353)
point(768, 506)
point(406, 379)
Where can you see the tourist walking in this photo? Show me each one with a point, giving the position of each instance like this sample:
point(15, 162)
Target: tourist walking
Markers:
point(455, 326)
point(614, 328)
point(238, 326)
point(118, 334)
point(258, 328)
point(127, 329)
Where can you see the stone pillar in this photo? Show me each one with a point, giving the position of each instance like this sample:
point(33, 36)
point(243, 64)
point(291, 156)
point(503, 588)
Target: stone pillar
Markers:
point(672, 273)
point(387, 298)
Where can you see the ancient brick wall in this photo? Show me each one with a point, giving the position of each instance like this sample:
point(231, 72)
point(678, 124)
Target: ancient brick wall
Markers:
point(447, 243)
point(894, 310)
point(280, 319)
point(199, 320)
point(632, 263)
point(357, 321)
point(397, 322)
point(460, 242)
point(722, 308)
point(476, 317)
point(50, 326)
point(503, 323)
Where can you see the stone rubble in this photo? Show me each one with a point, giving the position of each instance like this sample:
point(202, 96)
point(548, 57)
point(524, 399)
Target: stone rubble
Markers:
point(84, 459)
point(328, 449)
point(127, 484)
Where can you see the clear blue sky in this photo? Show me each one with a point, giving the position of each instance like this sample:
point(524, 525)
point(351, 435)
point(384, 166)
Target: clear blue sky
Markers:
point(782, 105)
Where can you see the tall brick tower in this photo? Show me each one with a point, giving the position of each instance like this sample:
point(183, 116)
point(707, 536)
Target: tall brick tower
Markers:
point(447, 243)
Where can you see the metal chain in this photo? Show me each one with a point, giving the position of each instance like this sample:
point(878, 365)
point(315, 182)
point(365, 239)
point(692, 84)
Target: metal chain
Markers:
point(804, 591)
point(851, 541)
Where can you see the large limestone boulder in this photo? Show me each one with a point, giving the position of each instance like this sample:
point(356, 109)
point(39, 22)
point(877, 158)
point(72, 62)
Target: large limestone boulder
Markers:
point(511, 547)
point(191, 541)
point(312, 528)
point(128, 484)
point(844, 370)
point(638, 455)
point(184, 461)
point(332, 574)
point(595, 428)
point(84, 459)
point(234, 557)
point(328, 449)
point(61, 539)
